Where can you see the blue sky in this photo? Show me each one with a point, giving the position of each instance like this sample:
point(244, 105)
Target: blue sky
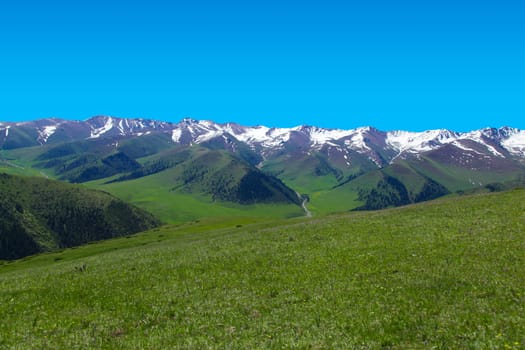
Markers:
point(410, 65)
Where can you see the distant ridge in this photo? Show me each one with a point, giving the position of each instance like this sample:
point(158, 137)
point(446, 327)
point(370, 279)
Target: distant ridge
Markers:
point(381, 147)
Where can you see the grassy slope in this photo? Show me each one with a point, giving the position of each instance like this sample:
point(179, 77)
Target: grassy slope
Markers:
point(38, 215)
point(344, 197)
point(299, 174)
point(458, 178)
point(443, 274)
point(18, 162)
point(155, 193)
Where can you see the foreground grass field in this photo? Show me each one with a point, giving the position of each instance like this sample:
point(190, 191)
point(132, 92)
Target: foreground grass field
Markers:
point(448, 274)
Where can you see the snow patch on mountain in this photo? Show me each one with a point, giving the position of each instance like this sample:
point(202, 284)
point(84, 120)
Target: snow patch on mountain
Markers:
point(459, 145)
point(262, 135)
point(319, 136)
point(5, 130)
point(250, 135)
point(209, 135)
point(46, 131)
point(480, 136)
point(494, 151)
point(403, 141)
point(121, 126)
point(515, 143)
point(176, 134)
point(476, 136)
point(278, 136)
point(97, 132)
point(357, 139)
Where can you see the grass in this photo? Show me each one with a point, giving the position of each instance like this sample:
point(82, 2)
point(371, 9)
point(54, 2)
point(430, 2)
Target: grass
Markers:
point(444, 274)
point(336, 200)
point(155, 194)
point(457, 178)
point(342, 198)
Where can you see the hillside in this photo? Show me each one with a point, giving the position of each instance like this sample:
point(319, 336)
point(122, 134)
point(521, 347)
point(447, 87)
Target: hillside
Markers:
point(38, 215)
point(445, 274)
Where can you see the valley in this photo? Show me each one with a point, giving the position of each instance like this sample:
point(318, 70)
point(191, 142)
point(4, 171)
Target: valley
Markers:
point(195, 169)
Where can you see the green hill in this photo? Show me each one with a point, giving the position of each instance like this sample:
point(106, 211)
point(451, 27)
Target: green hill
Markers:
point(38, 215)
point(446, 274)
point(193, 183)
point(176, 183)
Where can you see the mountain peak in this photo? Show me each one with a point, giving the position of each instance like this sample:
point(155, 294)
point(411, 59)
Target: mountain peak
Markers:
point(188, 121)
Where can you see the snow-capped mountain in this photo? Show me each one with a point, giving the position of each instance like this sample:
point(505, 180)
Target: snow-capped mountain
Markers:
point(381, 147)
point(362, 165)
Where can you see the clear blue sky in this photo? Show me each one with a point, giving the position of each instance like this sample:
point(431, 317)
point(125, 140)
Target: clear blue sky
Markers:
point(391, 64)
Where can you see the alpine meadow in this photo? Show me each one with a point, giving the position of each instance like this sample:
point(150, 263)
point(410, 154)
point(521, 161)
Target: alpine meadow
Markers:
point(262, 175)
point(443, 274)
point(252, 237)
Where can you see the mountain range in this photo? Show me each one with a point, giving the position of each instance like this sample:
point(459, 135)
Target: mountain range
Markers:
point(333, 169)
point(381, 147)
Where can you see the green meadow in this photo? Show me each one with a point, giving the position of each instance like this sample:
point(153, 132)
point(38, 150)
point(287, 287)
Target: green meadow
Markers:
point(156, 194)
point(447, 274)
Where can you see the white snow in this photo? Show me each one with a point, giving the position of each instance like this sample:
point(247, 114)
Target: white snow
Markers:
point(46, 132)
point(418, 141)
point(277, 136)
point(175, 135)
point(515, 144)
point(463, 147)
point(100, 131)
point(320, 136)
point(207, 124)
point(494, 151)
point(357, 140)
point(208, 136)
point(267, 137)
point(475, 135)
point(415, 142)
point(249, 134)
point(121, 127)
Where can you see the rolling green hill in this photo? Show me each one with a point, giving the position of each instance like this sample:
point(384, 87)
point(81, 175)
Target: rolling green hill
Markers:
point(176, 183)
point(446, 274)
point(192, 183)
point(314, 172)
point(410, 181)
point(39, 215)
